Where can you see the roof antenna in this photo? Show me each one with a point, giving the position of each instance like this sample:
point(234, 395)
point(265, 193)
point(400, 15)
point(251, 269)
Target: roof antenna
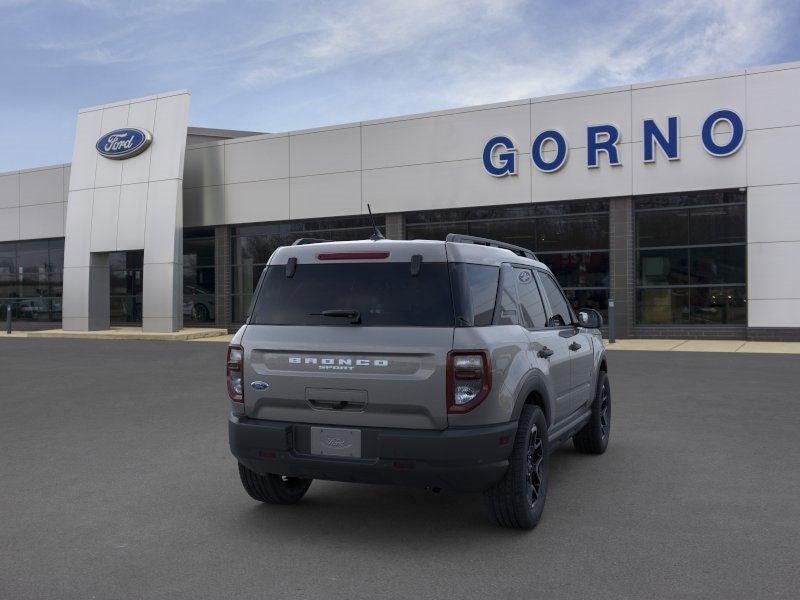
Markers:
point(377, 235)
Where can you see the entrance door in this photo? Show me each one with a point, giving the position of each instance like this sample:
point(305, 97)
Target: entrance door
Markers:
point(126, 287)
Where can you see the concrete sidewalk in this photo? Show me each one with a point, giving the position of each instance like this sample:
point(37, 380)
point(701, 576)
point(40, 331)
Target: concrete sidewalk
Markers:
point(122, 333)
point(706, 346)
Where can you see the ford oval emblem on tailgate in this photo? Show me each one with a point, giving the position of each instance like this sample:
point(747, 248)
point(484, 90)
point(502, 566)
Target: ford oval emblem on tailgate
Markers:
point(259, 385)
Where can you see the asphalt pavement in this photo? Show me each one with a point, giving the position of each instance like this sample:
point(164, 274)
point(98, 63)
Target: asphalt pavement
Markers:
point(116, 482)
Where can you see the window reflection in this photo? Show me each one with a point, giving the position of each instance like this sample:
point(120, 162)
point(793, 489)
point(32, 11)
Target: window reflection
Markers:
point(31, 275)
point(691, 258)
point(199, 277)
point(126, 269)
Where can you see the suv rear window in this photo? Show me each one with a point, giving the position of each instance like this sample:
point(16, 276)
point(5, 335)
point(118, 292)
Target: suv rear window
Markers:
point(384, 294)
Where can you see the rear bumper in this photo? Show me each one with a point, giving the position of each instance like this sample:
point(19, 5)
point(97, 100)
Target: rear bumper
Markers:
point(458, 459)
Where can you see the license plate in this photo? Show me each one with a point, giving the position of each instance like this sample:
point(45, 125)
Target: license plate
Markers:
point(332, 441)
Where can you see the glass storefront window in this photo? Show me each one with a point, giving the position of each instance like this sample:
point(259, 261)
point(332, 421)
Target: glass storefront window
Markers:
point(662, 228)
point(668, 266)
point(691, 259)
point(725, 224)
point(33, 257)
point(246, 277)
point(718, 305)
point(126, 287)
point(586, 232)
point(8, 285)
point(578, 269)
point(436, 231)
point(241, 303)
point(199, 276)
point(198, 252)
point(572, 238)
point(519, 233)
point(657, 306)
point(30, 279)
point(8, 258)
point(718, 264)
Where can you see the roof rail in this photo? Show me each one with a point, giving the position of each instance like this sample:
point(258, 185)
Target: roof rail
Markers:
point(304, 241)
point(472, 239)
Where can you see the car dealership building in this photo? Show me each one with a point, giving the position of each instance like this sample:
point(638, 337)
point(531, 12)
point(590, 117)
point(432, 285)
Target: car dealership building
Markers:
point(678, 200)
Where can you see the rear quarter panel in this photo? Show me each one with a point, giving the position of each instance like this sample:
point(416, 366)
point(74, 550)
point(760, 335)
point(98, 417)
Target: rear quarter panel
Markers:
point(507, 346)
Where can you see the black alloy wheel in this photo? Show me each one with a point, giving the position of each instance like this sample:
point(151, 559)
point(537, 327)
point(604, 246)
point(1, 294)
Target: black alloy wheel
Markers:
point(535, 460)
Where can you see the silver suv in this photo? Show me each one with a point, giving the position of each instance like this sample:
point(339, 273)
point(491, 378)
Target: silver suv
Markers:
point(453, 365)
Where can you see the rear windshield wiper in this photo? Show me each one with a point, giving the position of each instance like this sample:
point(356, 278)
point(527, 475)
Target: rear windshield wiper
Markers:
point(345, 313)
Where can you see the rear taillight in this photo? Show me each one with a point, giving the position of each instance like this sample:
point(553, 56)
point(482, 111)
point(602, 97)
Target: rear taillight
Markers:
point(234, 372)
point(469, 379)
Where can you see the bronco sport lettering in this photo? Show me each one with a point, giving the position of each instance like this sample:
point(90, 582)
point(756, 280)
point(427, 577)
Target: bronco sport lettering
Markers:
point(341, 362)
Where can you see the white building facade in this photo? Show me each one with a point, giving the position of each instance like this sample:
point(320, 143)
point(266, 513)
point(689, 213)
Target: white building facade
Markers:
point(677, 200)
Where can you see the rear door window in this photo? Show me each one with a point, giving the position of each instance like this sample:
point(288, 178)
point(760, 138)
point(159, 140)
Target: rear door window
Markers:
point(507, 313)
point(383, 294)
point(530, 300)
point(559, 308)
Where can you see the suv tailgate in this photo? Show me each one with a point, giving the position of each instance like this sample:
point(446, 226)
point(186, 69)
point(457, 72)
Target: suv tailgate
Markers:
point(347, 375)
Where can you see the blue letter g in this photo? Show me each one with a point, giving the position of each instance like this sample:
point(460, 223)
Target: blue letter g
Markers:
point(507, 159)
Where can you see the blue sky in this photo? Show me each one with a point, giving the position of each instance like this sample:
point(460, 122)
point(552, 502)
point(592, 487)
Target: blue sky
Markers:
point(277, 66)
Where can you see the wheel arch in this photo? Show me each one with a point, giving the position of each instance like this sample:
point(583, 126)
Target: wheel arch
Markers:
point(602, 367)
point(534, 391)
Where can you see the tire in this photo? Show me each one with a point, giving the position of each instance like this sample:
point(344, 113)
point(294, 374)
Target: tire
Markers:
point(517, 501)
point(273, 489)
point(593, 438)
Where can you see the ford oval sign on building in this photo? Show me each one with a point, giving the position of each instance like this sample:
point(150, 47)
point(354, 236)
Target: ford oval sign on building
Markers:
point(124, 143)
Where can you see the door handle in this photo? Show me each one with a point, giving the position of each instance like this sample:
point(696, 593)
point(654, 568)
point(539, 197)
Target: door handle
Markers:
point(545, 352)
point(574, 346)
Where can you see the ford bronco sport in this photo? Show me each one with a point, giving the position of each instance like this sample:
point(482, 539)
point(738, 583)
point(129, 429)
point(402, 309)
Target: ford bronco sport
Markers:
point(453, 365)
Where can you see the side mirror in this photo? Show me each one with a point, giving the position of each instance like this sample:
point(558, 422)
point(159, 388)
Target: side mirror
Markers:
point(590, 318)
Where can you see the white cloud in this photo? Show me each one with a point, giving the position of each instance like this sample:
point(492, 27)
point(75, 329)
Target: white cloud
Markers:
point(467, 51)
point(674, 40)
point(324, 39)
point(142, 8)
point(454, 53)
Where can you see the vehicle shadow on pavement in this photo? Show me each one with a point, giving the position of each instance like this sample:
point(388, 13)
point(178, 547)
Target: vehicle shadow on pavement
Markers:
point(359, 513)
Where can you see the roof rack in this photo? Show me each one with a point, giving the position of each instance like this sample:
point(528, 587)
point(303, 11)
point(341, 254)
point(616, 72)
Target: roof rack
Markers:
point(304, 241)
point(472, 239)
